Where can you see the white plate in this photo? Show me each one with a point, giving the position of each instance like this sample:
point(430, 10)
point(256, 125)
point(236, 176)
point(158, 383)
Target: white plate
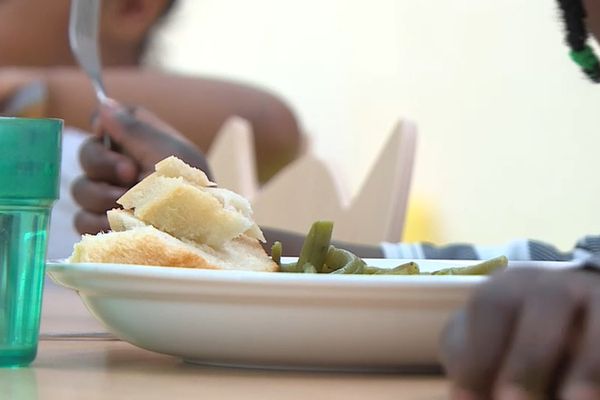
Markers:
point(277, 320)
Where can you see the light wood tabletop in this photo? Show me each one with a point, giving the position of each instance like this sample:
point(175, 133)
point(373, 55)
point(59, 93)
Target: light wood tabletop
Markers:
point(78, 360)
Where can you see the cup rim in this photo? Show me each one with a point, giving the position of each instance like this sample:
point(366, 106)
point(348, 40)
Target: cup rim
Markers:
point(49, 119)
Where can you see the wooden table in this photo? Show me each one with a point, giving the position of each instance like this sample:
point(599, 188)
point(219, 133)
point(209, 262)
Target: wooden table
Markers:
point(72, 365)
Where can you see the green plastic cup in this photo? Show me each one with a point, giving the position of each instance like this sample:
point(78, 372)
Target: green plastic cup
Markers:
point(30, 151)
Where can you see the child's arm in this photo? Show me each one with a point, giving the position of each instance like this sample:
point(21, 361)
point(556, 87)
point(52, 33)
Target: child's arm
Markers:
point(197, 107)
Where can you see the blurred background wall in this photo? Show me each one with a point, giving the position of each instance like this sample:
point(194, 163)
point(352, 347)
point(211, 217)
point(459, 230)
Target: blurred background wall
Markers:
point(509, 130)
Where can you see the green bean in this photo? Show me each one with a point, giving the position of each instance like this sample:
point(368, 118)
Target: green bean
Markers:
point(276, 251)
point(368, 270)
point(315, 246)
point(483, 268)
point(318, 256)
point(342, 261)
point(291, 267)
point(410, 268)
point(327, 269)
point(449, 271)
point(354, 267)
point(308, 268)
point(337, 258)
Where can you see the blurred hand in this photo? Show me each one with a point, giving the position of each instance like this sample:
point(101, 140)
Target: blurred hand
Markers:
point(527, 334)
point(139, 141)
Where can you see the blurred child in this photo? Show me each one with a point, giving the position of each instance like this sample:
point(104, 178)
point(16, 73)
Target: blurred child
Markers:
point(34, 48)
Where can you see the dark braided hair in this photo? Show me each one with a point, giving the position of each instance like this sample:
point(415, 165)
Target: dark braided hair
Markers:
point(574, 16)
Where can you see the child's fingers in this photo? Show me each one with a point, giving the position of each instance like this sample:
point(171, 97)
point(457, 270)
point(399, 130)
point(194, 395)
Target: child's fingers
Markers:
point(102, 164)
point(90, 223)
point(96, 197)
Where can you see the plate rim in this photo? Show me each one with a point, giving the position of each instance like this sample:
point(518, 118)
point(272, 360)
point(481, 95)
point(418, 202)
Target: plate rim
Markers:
point(173, 274)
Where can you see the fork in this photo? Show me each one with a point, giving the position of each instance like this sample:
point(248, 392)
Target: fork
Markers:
point(83, 38)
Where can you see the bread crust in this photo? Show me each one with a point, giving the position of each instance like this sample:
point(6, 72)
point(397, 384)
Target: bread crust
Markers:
point(149, 246)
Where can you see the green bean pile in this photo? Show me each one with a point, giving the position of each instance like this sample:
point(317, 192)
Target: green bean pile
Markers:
point(319, 256)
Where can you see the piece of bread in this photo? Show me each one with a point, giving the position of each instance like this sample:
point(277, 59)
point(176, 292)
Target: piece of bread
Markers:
point(176, 217)
point(181, 206)
point(133, 242)
point(121, 220)
point(149, 246)
point(173, 167)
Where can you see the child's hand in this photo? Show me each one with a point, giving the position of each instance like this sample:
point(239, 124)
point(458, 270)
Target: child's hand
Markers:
point(139, 140)
point(527, 334)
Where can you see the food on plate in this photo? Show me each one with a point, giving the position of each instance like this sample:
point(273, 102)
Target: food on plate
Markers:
point(483, 268)
point(319, 256)
point(176, 217)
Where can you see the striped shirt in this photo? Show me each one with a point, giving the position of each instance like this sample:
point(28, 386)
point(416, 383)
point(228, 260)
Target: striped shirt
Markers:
point(516, 250)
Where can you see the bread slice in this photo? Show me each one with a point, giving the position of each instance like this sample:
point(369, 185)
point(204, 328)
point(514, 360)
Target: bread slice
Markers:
point(121, 220)
point(173, 167)
point(179, 201)
point(133, 242)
